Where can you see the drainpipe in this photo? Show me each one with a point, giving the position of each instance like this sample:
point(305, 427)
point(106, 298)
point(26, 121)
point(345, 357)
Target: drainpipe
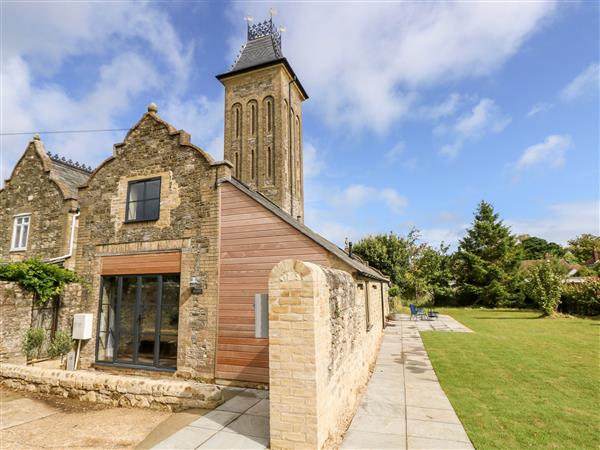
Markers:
point(290, 139)
point(71, 242)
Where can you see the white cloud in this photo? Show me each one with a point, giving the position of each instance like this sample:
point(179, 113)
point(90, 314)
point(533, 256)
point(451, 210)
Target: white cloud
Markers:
point(362, 62)
point(436, 236)
point(313, 161)
point(587, 83)
point(539, 108)
point(357, 195)
point(484, 118)
point(136, 52)
point(564, 221)
point(200, 116)
point(68, 29)
point(549, 153)
point(443, 109)
point(394, 153)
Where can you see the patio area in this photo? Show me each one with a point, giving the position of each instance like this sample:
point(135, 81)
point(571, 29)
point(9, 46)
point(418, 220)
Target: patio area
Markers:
point(404, 406)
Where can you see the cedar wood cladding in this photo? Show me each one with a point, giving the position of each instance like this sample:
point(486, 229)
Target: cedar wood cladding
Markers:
point(253, 241)
point(141, 264)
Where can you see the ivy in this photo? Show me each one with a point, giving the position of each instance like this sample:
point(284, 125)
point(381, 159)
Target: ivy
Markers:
point(43, 279)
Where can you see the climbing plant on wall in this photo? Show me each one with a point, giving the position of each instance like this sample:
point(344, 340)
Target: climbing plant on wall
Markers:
point(43, 279)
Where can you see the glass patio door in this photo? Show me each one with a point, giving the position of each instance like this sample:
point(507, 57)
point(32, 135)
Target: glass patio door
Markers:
point(138, 321)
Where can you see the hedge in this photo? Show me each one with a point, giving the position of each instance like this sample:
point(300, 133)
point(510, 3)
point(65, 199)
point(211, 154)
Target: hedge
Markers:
point(581, 298)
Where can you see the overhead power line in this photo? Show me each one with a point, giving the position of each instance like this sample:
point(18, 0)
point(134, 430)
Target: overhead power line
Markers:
point(64, 131)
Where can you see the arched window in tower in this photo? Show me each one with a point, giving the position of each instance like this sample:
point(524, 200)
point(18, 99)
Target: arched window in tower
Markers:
point(269, 162)
point(268, 107)
point(237, 165)
point(253, 164)
point(237, 121)
point(253, 111)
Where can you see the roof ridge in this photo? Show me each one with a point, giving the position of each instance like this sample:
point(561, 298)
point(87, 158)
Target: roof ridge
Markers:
point(55, 157)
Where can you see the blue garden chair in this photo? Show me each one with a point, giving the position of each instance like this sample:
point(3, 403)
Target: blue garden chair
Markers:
point(416, 312)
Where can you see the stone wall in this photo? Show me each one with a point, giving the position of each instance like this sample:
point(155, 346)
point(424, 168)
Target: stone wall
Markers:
point(114, 390)
point(16, 308)
point(15, 319)
point(31, 191)
point(321, 352)
point(188, 223)
point(255, 89)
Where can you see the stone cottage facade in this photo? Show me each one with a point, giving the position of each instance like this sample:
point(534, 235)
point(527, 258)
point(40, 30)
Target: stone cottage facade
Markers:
point(39, 206)
point(175, 248)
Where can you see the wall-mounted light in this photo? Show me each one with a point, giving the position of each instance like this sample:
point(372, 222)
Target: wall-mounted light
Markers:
point(196, 285)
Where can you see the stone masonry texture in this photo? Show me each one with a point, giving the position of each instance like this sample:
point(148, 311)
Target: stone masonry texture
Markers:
point(248, 133)
point(188, 223)
point(31, 190)
point(321, 351)
point(115, 390)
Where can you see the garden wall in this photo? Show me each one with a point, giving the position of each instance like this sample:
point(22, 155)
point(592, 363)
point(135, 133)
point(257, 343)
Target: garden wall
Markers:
point(115, 390)
point(321, 351)
point(15, 319)
point(19, 312)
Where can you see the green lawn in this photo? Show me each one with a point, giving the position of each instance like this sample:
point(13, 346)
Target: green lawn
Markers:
point(521, 381)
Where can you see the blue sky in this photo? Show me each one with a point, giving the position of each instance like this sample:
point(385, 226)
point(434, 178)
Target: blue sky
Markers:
point(417, 111)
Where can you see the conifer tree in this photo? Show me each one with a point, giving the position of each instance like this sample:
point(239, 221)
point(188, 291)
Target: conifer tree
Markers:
point(486, 261)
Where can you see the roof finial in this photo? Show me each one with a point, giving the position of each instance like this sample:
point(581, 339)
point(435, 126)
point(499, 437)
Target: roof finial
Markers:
point(36, 137)
point(152, 108)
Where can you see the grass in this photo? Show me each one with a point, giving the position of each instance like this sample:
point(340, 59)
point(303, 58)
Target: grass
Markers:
point(521, 381)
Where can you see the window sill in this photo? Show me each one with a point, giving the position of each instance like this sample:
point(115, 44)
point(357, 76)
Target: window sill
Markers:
point(135, 366)
point(142, 220)
point(14, 250)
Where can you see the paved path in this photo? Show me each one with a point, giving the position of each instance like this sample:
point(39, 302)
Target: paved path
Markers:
point(242, 422)
point(404, 406)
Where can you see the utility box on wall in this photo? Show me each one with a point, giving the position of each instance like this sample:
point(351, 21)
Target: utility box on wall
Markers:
point(261, 316)
point(82, 326)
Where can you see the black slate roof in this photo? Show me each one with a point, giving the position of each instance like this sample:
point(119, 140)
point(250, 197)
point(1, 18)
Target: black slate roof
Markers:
point(70, 177)
point(256, 52)
point(360, 267)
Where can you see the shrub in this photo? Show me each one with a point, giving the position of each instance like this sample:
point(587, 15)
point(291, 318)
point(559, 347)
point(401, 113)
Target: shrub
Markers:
point(60, 345)
point(543, 285)
point(394, 291)
point(581, 298)
point(32, 342)
point(45, 280)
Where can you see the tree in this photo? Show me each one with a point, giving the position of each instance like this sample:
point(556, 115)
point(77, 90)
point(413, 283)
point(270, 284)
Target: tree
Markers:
point(430, 273)
point(418, 270)
point(486, 261)
point(389, 253)
point(543, 285)
point(537, 248)
point(582, 247)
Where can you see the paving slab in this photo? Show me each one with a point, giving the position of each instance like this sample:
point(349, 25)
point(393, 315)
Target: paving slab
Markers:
point(215, 420)
point(233, 441)
point(367, 440)
point(187, 438)
point(241, 422)
point(404, 406)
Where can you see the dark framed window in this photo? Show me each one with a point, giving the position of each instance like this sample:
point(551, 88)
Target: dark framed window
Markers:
point(143, 200)
point(138, 321)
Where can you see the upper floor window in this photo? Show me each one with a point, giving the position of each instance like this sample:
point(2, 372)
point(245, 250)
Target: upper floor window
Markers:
point(20, 232)
point(253, 118)
point(143, 200)
point(269, 114)
point(237, 121)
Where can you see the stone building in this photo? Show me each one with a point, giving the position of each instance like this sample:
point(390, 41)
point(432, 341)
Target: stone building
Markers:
point(39, 206)
point(175, 248)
